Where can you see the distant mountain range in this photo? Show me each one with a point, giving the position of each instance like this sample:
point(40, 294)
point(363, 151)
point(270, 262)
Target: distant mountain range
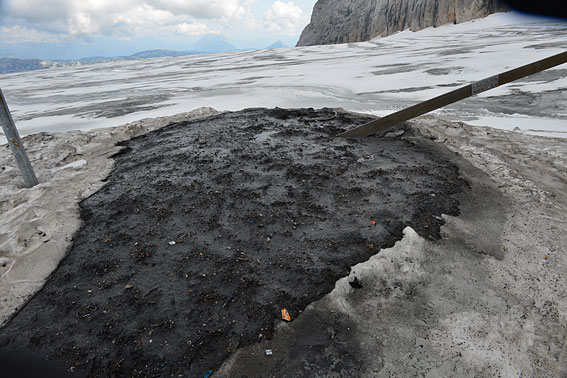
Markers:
point(277, 45)
point(8, 65)
point(206, 45)
point(139, 55)
point(214, 44)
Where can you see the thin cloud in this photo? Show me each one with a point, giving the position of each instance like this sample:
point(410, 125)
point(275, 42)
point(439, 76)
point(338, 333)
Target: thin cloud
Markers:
point(195, 29)
point(122, 17)
point(206, 9)
point(174, 24)
point(20, 34)
point(284, 18)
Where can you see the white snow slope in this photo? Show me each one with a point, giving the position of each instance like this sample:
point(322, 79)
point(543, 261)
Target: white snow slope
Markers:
point(375, 77)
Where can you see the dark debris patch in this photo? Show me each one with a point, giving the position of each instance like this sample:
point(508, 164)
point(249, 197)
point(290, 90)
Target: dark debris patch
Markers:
point(266, 210)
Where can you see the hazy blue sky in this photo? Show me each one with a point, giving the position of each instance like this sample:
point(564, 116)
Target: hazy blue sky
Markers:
point(69, 29)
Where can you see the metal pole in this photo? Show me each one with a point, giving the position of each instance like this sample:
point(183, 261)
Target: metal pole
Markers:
point(383, 124)
point(15, 143)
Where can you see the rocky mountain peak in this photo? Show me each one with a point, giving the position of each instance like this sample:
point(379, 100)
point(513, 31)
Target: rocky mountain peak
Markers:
point(343, 21)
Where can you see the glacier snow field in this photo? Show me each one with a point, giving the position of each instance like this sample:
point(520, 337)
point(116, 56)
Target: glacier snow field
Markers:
point(376, 77)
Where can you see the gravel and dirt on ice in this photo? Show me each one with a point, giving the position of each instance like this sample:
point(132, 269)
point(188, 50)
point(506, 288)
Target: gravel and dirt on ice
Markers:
point(37, 225)
point(461, 275)
point(486, 300)
point(206, 229)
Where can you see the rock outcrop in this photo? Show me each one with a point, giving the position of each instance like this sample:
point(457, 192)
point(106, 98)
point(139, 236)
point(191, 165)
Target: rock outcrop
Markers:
point(343, 21)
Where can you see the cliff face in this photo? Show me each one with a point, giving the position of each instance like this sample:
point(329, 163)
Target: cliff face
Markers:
point(342, 21)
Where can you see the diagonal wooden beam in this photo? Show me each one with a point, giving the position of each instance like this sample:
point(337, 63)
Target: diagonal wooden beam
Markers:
point(383, 124)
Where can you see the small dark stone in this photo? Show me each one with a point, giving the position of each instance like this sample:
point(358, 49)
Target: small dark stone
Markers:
point(355, 283)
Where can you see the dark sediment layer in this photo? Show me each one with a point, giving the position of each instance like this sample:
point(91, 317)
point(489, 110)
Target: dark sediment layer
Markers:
point(267, 210)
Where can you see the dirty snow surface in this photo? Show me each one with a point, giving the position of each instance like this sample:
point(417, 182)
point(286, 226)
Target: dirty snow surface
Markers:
point(376, 77)
point(207, 229)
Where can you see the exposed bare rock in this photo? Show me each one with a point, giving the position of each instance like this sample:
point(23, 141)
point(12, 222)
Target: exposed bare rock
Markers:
point(343, 21)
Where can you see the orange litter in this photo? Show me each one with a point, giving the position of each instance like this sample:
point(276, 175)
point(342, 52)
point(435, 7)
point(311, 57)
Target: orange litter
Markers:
point(373, 223)
point(285, 315)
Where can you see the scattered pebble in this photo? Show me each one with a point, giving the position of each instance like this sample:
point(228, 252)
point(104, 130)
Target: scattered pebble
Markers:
point(355, 284)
